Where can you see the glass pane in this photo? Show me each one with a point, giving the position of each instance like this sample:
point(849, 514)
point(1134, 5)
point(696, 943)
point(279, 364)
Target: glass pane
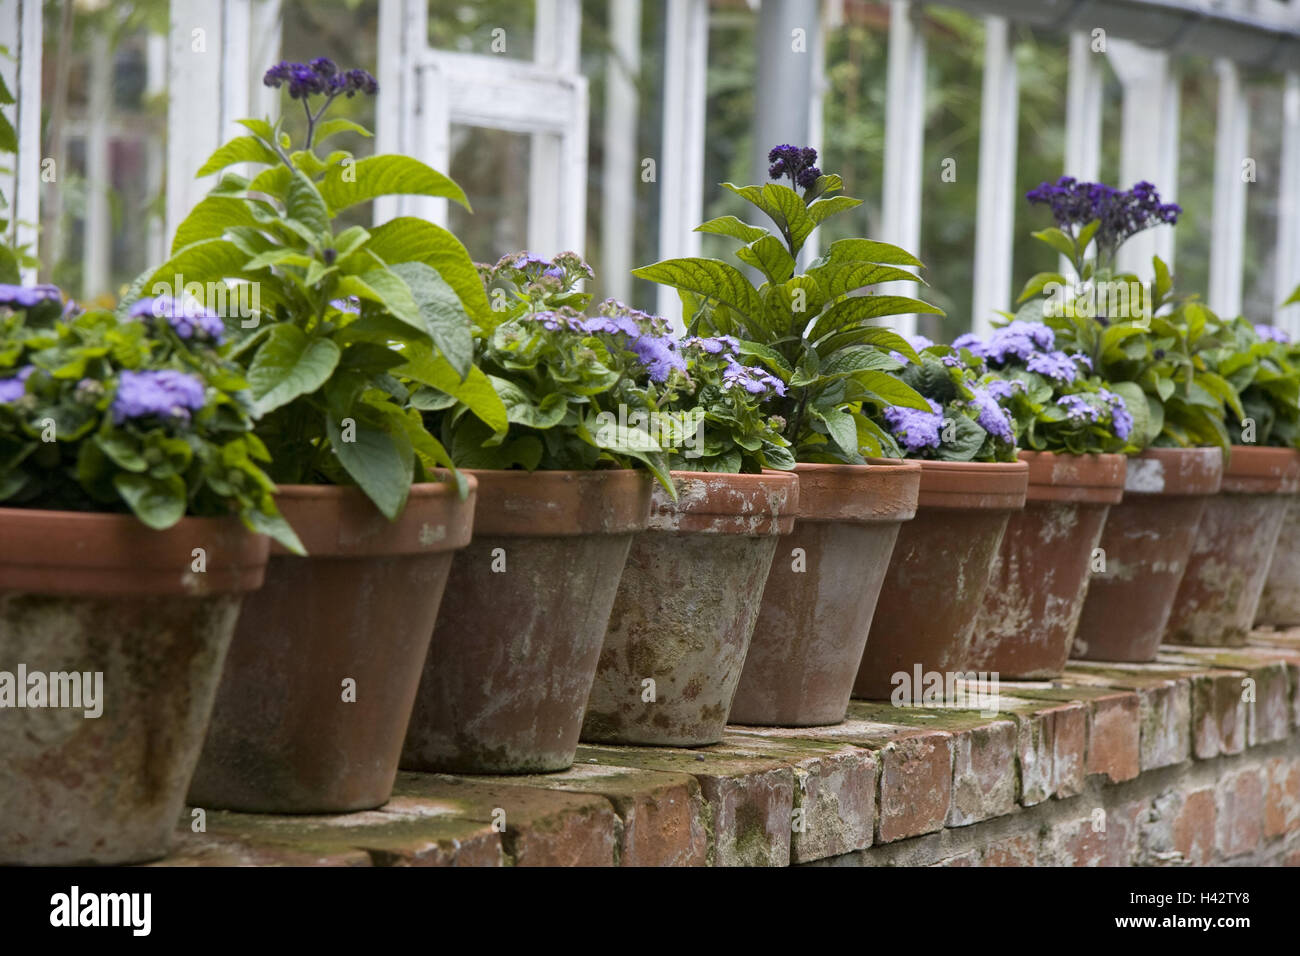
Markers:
point(492, 167)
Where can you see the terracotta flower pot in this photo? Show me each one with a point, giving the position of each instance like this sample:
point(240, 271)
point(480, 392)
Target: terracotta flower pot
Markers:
point(1279, 606)
point(686, 608)
point(144, 620)
point(515, 647)
point(936, 580)
point(821, 592)
point(1146, 543)
point(1040, 577)
point(1225, 576)
point(322, 672)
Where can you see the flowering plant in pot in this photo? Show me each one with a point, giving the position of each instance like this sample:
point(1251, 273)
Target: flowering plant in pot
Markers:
point(336, 328)
point(690, 594)
point(132, 491)
point(813, 332)
point(563, 489)
point(1072, 430)
point(1229, 565)
point(971, 482)
point(1148, 346)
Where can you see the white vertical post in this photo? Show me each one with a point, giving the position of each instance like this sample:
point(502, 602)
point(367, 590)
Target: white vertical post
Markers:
point(555, 47)
point(266, 32)
point(1149, 142)
point(403, 36)
point(681, 159)
point(97, 233)
point(1083, 111)
point(1232, 135)
point(831, 16)
point(1286, 275)
point(995, 202)
point(20, 31)
point(155, 161)
point(904, 141)
point(618, 191)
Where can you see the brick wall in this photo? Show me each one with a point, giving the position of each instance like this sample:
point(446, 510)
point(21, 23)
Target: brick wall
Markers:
point(1191, 760)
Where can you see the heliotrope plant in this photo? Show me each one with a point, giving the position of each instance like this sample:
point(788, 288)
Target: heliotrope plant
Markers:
point(611, 389)
point(808, 328)
point(1136, 335)
point(1053, 400)
point(1263, 366)
point(964, 419)
point(101, 413)
point(336, 327)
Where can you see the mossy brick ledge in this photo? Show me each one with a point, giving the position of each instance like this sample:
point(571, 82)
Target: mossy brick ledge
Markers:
point(1191, 760)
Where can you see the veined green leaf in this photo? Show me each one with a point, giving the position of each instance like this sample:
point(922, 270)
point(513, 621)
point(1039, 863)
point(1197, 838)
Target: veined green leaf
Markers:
point(475, 391)
point(442, 311)
point(733, 227)
point(288, 364)
point(350, 183)
point(860, 308)
point(378, 457)
point(241, 149)
point(407, 239)
point(707, 277)
point(769, 256)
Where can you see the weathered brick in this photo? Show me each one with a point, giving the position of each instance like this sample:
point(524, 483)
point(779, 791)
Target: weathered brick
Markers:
point(1194, 826)
point(1101, 838)
point(1263, 684)
point(969, 858)
point(915, 785)
point(662, 813)
point(1113, 736)
point(216, 849)
point(748, 801)
point(1240, 804)
point(1013, 851)
point(834, 792)
point(1164, 702)
point(983, 773)
point(1282, 799)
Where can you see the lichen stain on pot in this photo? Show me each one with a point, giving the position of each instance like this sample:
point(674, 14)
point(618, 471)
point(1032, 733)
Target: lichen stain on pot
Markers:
point(1279, 604)
point(1145, 476)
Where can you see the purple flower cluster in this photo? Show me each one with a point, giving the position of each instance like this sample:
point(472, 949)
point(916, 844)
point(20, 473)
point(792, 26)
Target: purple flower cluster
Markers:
point(716, 345)
point(1121, 420)
point(992, 417)
point(1123, 213)
point(1003, 388)
point(1056, 365)
point(917, 429)
point(1030, 343)
point(12, 389)
point(320, 77)
point(24, 297)
point(1078, 409)
point(751, 379)
point(164, 393)
point(796, 162)
point(189, 319)
point(1271, 333)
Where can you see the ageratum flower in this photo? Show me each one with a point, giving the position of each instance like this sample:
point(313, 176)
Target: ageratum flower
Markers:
point(24, 297)
point(12, 389)
point(1079, 410)
point(1271, 333)
point(916, 429)
point(163, 394)
point(1056, 365)
point(715, 345)
point(1002, 388)
point(1016, 340)
point(1121, 420)
point(189, 319)
point(751, 379)
point(992, 417)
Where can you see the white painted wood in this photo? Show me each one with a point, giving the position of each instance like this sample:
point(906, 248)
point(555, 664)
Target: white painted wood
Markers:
point(20, 31)
point(995, 202)
point(904, 142)
point(831, 15)
point(681, 160)
point(1228, 232)
point(1149, 142)
point(1083, 110)
point(267, 30)
point(554, 224)
point(1286, 275)
point(155, 160)
point(402, 40)
point(622, 172)
point(96, 237)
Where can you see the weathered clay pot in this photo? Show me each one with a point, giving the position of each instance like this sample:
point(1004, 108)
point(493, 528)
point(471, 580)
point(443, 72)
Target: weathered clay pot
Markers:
point(1040, 577)
point(515, 647)
point(936, 580)
point(100, 594)
point(1146, 542)
point(1220, 591)
point(1279, 606)
point(322, 672)
point(821, 592)
point(686, 608)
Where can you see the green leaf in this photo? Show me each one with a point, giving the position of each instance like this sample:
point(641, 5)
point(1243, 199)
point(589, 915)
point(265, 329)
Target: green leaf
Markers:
point(891, 390)
point(332, 127)
point(407, 239)
point(304, 204)
point(769, 357)
point(476, 391)
point(289, 364)
point(733, 227)
point(242, 149)
point(707, 277)
point(350, 183)
point(769, 256)
point(869, 250)
point(443, 313)
point(823, 209)
point(842, 429)
point(211, 218)
point(381, 465)
point(783, 206)
point(204, 261)
point(861, 308)
point(1057, 240)
point(158, 502)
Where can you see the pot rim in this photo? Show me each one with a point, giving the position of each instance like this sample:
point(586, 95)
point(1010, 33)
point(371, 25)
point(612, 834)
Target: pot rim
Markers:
point(560, 503)
point(108, 554)
point(340, 521)
point(884, 490)
point(1175, 471)
point(1262, 470)
point(738, 504)
point(1092, 478)
point(974, 485)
